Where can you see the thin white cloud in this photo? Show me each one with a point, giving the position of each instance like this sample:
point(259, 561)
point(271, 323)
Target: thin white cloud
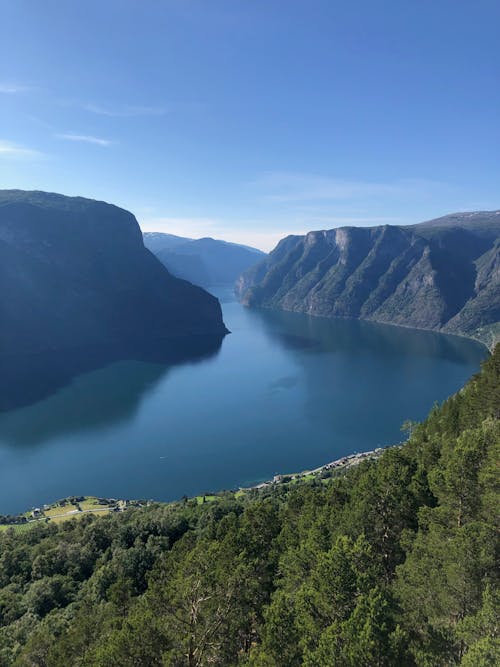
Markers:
point(295, 187)
point(8, 149)
point(85, 138)
point(125, 111)
point(10, 88)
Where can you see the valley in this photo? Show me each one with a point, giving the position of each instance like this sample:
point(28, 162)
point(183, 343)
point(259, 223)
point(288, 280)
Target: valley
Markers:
point(249, 334)
point(283, 392)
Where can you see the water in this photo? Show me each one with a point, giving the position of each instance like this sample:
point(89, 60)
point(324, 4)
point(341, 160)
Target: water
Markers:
point(284, 392)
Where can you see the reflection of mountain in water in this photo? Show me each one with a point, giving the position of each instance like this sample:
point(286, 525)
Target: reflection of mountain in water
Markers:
point(109, 394)
point(361, 380)
point(296, 331)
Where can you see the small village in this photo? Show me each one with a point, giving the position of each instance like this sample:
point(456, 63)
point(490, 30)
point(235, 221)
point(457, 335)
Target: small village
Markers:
point(75, 507)
point(323, 471)
point(67, 508)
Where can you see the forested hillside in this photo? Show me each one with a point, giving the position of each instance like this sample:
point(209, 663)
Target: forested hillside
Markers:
point(392, 564)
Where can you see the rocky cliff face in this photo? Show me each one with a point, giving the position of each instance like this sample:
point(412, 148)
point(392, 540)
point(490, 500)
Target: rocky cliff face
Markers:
point(75, 272)
point(443, 275)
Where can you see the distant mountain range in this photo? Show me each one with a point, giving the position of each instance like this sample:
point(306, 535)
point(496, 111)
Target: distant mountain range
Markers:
point(443, 274)
point(75, 271)
point(206, 262)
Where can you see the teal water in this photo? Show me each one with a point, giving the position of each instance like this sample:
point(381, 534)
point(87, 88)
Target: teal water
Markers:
point(284, 392)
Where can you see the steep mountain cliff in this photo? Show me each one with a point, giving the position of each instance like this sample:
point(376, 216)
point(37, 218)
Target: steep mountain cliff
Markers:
point(204, 262)
point(74, 272)
point(443, 275)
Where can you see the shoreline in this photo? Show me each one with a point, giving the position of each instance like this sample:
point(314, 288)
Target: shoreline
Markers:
point(341, 464)
point(490, 346)
point(77, 506)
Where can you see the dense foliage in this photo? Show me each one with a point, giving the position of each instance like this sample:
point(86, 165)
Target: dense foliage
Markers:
point(392, 564)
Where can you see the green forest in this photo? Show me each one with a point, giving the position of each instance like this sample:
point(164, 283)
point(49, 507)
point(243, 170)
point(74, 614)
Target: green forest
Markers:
point(394, 562)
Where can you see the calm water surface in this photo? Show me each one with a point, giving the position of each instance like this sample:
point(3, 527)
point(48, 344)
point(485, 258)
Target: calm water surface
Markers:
point(283, 393)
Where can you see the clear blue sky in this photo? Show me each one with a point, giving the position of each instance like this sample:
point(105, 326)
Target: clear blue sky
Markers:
point(252, 119)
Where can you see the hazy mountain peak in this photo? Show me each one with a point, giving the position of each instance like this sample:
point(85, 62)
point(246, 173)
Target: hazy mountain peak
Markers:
point(205, 261)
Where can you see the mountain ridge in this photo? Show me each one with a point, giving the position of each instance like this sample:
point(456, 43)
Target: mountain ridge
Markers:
point(74, 271)
point(205, 261)
point(442, 274)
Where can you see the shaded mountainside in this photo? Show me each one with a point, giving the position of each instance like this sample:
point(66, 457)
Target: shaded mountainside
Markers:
point(74, 272)
point(205, 261)
point(443, 275)
point(156, 241)
point(392, 564)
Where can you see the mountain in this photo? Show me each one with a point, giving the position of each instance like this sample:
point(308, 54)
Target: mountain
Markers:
point(75, 272)
point(443, 274)
point(187, 266)
point(205, 261)
point(156, 241)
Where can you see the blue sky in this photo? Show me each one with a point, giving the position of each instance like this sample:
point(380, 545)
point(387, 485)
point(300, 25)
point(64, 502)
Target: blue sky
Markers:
point(252, 119)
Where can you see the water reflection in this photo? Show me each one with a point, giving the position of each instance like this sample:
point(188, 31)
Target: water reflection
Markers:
point(296, 331)
point(283, 392)
point(361, 380)
point(112, 393)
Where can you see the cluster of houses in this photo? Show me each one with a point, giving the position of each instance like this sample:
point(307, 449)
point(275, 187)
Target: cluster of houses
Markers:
point(40, 513)
point(351, 459)
point(114, 505)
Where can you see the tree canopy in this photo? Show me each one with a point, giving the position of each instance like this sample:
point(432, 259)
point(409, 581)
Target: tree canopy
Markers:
point(392, 564)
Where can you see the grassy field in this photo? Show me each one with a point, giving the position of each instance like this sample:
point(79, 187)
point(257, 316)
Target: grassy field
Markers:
point(208, 499)
point(61, 519)
point(54, 510)
point(65, 511)
point(92, 504)
point(17, 528)
point(301, 478)
point(60, 512)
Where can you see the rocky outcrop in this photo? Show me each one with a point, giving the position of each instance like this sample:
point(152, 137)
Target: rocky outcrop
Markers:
point(442, 275)
point(75, 272)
